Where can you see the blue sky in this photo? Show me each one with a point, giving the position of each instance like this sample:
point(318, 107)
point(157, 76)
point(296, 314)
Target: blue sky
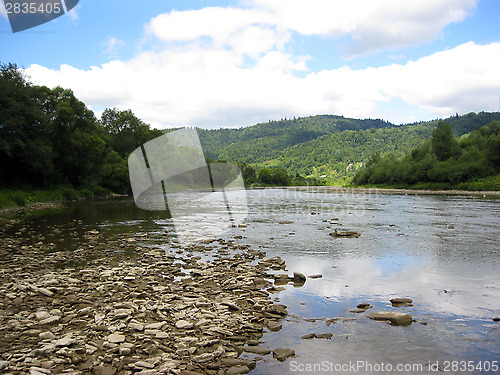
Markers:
point(236, 63)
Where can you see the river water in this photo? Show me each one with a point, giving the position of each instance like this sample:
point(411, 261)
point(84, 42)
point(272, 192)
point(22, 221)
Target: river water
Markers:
point(440, 251)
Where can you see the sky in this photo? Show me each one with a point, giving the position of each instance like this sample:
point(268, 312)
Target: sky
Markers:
point(235, 63)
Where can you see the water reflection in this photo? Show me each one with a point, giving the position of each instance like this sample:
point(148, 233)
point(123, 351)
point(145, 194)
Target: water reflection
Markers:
point(440, 251)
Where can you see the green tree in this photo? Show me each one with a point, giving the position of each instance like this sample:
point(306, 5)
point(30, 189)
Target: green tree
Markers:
point(444, 144)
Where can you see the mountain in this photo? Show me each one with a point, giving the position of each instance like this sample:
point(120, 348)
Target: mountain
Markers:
point(325, 144)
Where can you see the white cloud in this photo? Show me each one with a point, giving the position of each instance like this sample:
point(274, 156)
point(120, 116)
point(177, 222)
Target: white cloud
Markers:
point(112, 46)
point(371, 25)
point(212, 87)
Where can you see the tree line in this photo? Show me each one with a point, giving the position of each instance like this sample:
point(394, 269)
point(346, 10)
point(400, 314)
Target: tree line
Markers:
point(443, 161)
point(49, 138)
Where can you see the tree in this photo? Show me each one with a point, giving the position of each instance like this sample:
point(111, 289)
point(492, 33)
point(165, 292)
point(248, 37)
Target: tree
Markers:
point(444, 145)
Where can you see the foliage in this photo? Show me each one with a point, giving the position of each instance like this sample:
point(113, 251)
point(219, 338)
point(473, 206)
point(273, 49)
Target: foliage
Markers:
point(49, 138)
point(441, 162)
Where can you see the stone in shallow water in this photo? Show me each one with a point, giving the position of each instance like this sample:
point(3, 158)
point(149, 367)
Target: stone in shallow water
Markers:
point(237, 370)
point(395, 318)
point(401, 301)
point(282, 354)
point(308, 336)
point(327, 336)
point(496, 319)
point(262, 350)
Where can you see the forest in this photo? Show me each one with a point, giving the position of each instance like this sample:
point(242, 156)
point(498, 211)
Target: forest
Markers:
point(441, 162)
point(53, 147)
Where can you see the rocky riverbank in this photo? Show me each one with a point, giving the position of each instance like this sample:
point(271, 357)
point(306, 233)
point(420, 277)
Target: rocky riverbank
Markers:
point(153, 312)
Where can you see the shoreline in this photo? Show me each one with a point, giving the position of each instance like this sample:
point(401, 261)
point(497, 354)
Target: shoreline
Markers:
point(396, 191)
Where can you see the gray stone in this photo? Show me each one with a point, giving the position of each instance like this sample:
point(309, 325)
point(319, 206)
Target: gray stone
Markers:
point(137, 326)
point(299, 277)
point(144, 364)
point(183, 324)
point(41, 315)
point(202, 358)
point(308, 336)
point(65, 341)
point(401, 301)
point(282, 354)
point(116, 338)
point(274, 326)
point(395, 318)
point(235, 370)
point(327, 336)
point(317, 276)
point(46, 335)
point(4, 365)
point(262, 350)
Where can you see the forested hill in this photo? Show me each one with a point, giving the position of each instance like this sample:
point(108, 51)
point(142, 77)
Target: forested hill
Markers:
point(326, 145)
point(266, 139)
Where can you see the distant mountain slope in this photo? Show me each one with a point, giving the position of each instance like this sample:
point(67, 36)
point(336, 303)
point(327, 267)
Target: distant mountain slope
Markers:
point(261, 141)
point(326, 144)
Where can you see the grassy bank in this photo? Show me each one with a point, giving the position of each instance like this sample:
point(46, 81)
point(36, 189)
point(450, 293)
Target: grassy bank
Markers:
point(10, 198)
point(491, 183)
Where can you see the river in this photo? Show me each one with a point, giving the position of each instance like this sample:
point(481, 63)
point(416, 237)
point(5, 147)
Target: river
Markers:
point(441, 251)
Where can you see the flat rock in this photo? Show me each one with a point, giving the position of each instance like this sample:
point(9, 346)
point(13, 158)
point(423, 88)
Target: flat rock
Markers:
point(262, 350)
point(183, 324)
point(162, 335)
point(116, 338)
point(282, 354)
point(401, 301)
point(363, 305)
point(395, 318)
point(327, 336)
point(41, 315)
point(308, 336)
point(316, 276)
point(237, 370)
point(103, 370)
point(49, 320)
point(65, 341)
point(137, 326)
point(144, 364)
point(46, 335)
point(205, 357)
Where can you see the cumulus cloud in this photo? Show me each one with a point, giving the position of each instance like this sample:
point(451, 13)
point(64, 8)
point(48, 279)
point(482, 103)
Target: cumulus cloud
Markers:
point(212, 87)
point(227, 66)
point(370, 25)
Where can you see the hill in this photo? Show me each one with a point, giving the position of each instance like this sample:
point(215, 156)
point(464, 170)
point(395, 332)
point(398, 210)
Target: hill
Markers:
point(329, 145)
